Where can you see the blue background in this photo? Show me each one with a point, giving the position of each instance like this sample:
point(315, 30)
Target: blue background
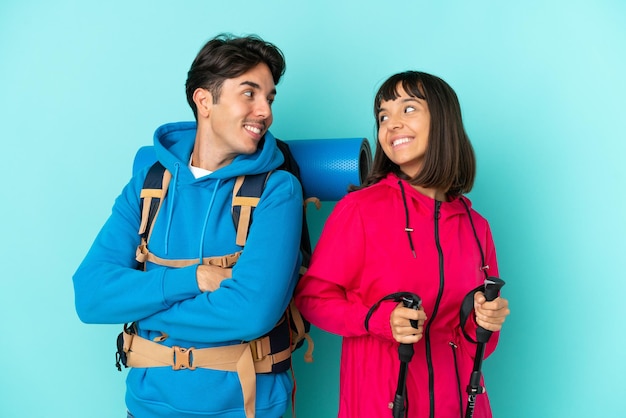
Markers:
point(84, 84)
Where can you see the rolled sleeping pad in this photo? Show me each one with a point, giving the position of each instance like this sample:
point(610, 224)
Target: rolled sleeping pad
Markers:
point(327, 166)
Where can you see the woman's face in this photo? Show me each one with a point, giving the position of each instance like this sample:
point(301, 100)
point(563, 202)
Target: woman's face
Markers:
point(404, 126)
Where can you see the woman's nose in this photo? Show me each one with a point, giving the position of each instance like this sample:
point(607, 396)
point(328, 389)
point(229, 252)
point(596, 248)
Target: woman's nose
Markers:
point(394, 122)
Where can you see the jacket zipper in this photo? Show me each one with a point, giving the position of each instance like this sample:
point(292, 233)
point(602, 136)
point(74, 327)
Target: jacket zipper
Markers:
point(429, 359)
point(454, 347)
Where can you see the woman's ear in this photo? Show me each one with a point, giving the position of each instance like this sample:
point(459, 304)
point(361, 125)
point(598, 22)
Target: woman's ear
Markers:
point(204, 102)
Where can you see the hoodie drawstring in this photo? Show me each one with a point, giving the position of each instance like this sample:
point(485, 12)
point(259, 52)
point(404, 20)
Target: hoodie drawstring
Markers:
point(206, 218)
point(171, 208)
point(173, 187)
point(406, 216)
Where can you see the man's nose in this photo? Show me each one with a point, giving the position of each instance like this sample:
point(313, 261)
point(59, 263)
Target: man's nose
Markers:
point(263, 109)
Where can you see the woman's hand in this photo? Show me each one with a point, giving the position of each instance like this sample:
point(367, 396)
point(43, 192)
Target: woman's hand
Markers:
point(401, 328)
point(490, 315)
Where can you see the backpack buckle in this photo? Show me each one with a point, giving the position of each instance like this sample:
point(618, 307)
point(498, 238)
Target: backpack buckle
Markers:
point(182, 358)
point(260, 348)
point(141, 254)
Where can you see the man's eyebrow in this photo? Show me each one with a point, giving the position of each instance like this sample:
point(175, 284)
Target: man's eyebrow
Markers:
point(255, 86)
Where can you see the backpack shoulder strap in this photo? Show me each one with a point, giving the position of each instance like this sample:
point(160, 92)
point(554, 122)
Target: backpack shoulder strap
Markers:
point(152, 194)
point(246, 196)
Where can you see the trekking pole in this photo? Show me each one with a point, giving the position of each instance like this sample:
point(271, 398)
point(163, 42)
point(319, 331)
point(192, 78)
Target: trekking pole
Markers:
point(492, 288)
point(409, 300)
point(405, 352)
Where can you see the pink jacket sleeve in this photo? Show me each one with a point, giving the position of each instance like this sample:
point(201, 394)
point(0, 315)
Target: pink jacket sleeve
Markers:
point(328, 294)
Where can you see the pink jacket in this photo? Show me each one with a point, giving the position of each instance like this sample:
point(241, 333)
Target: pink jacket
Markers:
point(363, 255)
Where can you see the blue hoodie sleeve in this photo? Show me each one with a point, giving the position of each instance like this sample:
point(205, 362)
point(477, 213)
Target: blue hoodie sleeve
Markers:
point(250, 303)
point(108, 288)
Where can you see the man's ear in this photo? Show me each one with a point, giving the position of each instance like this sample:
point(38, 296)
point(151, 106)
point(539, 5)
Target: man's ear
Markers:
point(204, 102)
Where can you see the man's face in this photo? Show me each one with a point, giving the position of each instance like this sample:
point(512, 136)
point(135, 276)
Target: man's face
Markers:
point(242, 114)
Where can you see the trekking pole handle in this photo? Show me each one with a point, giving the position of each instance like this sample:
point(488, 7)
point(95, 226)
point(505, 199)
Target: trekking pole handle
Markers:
point(492, 289)
point(412, 302)
point(405, 352)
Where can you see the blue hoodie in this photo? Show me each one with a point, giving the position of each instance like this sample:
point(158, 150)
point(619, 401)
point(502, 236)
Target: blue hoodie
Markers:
point(195, 221)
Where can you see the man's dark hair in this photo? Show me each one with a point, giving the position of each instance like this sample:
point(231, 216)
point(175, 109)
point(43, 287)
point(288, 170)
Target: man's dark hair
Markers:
point(449, 163)
point(228, 56)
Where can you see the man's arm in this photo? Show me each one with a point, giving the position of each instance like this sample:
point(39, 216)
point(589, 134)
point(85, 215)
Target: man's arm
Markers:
point(107, 285)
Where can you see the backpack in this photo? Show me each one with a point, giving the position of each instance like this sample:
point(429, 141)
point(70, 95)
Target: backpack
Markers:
point(246, 195)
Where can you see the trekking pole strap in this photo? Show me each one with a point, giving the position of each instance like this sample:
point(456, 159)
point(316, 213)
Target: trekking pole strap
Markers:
point(396, 297)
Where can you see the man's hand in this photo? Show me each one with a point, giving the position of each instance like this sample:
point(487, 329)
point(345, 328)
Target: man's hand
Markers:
point(210, 277)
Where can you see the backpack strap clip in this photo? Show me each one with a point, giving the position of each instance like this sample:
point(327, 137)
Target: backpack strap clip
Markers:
point(154, 190)
point(246, 197)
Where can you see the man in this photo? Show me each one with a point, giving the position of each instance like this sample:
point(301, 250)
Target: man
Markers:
point(192, 314)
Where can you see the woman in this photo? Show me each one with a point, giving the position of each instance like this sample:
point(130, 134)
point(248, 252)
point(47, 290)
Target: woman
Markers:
point(408, 228)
